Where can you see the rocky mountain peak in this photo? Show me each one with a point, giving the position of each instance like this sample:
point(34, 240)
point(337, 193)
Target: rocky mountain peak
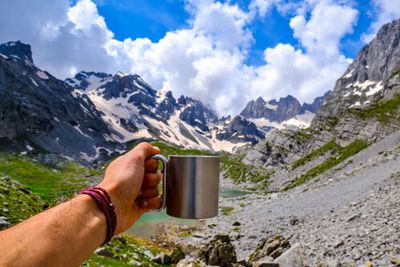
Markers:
point(88, 79)
point(277, 111)
point(240, 129)
point(363, 82)
point(17, 50)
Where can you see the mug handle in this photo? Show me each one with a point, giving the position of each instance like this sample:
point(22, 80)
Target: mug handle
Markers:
point(164, 185)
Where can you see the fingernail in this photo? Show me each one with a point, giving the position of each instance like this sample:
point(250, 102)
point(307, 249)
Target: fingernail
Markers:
point(144, 204)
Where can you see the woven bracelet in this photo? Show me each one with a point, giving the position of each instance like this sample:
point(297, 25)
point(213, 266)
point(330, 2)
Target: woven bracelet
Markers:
point(103, 200)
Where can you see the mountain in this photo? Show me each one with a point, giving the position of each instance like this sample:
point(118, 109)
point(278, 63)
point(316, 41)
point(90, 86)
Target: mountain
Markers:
point(40, 112)
point(368, 89)
point(285, 112)
point(338, 177)
point(98, 113)
point(133, 108)
point(364, 106)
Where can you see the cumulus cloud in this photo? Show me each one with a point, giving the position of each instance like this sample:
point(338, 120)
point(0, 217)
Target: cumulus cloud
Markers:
point(204, 60)
point(385, 11)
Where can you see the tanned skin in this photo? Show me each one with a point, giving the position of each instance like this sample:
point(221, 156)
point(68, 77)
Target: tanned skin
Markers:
point(67, 234)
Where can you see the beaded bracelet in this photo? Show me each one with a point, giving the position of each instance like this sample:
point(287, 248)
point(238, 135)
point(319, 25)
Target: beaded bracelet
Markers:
point(103, 200)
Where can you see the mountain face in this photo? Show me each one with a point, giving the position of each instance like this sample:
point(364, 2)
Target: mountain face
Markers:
point(364, 101)
point(39, 111)
point(92, 114)
point(364, 105)
point(133, 108)
point(365, 78)
point(286, 112)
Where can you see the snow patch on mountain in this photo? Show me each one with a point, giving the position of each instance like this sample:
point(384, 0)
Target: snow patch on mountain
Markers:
point(301, 121)
point(42, 75)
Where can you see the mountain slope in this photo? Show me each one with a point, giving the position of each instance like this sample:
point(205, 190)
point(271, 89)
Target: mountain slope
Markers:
point(134, 109)
point(284, 113)
point(363, 108)
point(37, 111)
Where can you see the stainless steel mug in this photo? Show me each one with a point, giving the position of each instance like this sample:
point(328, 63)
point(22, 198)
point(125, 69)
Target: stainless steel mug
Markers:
point(190, 186)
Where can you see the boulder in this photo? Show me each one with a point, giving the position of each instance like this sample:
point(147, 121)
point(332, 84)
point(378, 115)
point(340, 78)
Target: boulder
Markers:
point(4, 223)
point(219, 251)
point(177, 255)
point(162, 258)
point(265, 262)
point(293, 257)
point(190, 262)
point(272, 247)
point(105, 252)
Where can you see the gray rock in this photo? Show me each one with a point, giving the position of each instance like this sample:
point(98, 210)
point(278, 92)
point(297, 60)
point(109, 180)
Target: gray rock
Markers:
point(4, 223)
point(293, 257)
point(219, 251)
point(267, 261)
point(190, 262)
point(105, 252)
point(272, 247)
point(162, 258)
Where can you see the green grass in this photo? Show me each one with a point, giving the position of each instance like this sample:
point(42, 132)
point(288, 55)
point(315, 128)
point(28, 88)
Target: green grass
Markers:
point(234, 167)
point(341, 155)
point(383, 111)
point(331, 145)
point(49, 183)
point(17, 203)
point(125, 250)
point(332, 121)
point(227, 210)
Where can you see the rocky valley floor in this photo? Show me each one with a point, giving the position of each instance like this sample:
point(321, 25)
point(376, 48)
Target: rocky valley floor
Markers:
point(349, 214)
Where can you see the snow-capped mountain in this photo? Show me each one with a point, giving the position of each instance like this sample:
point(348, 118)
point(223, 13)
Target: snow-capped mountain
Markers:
point(93, 114)
point(39, 112)
point(134, 109)
point(284, 113)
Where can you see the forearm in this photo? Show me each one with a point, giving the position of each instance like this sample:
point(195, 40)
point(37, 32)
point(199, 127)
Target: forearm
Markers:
point(62, 236)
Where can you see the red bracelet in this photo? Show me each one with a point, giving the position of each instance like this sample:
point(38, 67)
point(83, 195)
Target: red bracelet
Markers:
point(103, 200)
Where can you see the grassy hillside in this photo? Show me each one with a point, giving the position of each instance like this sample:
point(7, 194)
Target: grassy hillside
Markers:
point(384, 111)
point(339, 155)
point(233, 167)
point(49, 182)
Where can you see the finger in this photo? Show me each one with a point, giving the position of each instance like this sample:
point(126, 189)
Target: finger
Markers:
point(148, 204)
point(142, 151)
point(148, 192)
point(151, 179)
point(151, 165)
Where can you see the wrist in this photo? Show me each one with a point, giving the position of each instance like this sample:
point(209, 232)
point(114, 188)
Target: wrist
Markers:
point(94, 218)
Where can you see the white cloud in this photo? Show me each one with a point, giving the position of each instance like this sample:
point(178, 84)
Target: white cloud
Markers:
point(322, 33)
point(386, 11)
point(205, 60)
point(312, 71)
point(261, 6)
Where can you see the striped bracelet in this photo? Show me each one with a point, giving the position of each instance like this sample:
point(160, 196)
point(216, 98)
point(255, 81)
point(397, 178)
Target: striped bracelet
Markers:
point(103, 200)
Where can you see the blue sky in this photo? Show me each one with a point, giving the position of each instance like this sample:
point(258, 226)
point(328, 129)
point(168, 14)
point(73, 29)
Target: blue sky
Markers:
point(222, 52)
point(154, 18)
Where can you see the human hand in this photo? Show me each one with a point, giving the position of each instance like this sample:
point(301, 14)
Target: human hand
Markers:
point(132, 183)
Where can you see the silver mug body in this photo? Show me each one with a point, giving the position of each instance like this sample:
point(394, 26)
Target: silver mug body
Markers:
point(191, 186)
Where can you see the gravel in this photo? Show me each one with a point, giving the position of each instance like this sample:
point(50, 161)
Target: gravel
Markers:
point(349, 214)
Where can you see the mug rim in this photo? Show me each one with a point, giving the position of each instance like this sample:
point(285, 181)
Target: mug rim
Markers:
point(192, 156)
